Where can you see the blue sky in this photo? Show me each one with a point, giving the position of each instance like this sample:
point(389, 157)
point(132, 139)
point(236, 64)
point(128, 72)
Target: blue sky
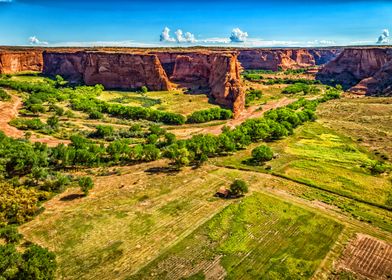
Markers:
point(209, 22)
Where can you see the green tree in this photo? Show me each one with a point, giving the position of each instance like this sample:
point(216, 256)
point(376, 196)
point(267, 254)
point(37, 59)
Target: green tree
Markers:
point(86, 184)
point(143, 89)
point(262, 153)
point(38, 263)
point(53, 122)
point(238, 187)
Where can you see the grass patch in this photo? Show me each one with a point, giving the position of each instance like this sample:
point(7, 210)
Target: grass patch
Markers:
point(258, 237)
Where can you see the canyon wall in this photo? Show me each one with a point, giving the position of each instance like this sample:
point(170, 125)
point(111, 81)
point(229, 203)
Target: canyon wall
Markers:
point(112, 70)
point(365, 71)
point(275, 59)
point(19, 61)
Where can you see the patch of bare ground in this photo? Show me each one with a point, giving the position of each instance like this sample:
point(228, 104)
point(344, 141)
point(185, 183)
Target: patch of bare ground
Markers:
point(8, 111)
point(250, 113)
point(367, 258)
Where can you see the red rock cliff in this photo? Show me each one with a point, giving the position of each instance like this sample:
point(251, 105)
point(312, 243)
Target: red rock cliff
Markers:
point(217, 73)
point(113, 70)
point(275, 59)
point(18, 61)
point(361, 71)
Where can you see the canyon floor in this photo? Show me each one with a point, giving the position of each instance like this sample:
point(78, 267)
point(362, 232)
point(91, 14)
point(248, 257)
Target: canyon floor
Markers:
point(315, 211)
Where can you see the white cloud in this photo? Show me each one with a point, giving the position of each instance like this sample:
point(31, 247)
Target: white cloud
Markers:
point(35, 41)
point(180, 37)
point(5, 1)
point(384, 37)
point(165, 36)
point(238, 36)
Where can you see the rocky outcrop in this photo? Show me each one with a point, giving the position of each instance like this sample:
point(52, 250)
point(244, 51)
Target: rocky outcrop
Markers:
point(18, 61)
point(217, 73)
point(275, 59)
point(112, 70)
point(225, 82)
point(361, 71)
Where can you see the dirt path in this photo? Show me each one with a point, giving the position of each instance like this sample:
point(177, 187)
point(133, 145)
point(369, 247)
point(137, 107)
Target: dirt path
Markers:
point(8, 111)
point(250, 113)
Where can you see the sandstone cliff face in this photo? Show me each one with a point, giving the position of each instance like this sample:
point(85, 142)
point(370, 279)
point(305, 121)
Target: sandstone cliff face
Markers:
point(361, 71)
point(275, 59)
point(225, 82)
point(216, 73)
point(18, 61)
point(113, 70)
point(353, 65)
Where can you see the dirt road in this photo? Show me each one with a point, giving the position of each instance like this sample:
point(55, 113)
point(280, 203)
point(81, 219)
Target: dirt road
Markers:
point(8, 111)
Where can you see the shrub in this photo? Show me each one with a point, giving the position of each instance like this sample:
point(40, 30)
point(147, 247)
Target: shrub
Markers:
point(143, 89)
point(262, 153)
point(238, 188)
point(210, 115)
point(4, 96)
point(86, 184)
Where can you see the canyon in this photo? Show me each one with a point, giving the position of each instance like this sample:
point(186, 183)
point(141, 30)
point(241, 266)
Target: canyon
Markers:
point(362, 71)
point(211, 71)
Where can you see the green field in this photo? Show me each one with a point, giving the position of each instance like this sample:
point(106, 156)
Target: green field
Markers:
point(259, 237)
point(172, 101)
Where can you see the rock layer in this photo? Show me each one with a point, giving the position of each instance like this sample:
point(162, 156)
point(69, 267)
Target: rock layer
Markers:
point(365, 71)
point(19, 61)
point(275, 59)
point(112, 70)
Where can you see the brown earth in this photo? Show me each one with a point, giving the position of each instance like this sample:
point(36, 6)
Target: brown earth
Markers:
point(368, 258)
point(8, 111)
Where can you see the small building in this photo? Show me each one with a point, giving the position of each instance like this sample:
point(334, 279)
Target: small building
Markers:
point(223, 193)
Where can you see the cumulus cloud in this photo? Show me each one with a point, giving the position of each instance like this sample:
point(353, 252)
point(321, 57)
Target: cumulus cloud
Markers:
point(165, 35)
point(35, 41)
point(238, 36)
point(180, 37)
point(384, 37)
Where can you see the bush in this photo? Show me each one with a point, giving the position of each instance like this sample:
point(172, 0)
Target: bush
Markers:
point(143, 89)
point(262, 153)
point(86, 184)
point(238, 188)
point(4, 96)
point(210, 115)
point(252, 95)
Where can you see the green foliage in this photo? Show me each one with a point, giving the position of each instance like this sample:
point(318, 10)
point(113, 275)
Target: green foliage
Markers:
point(18, 204)
point(86, 184)
point(377, 167)
point(26, 124)
point(262, 153)
point(300, 88)
point(251, 95)
point(37, 263)
point(10, 234)
point(53, 122)
point(210, 115)
point(143, 89)
point(238, 188)
point(4, 96)
point(290, 81)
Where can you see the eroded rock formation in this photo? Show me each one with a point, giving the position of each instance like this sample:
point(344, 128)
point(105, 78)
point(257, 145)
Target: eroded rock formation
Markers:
point(361, 71)
point(275, 59)
point(18, 61)
point(113, 70)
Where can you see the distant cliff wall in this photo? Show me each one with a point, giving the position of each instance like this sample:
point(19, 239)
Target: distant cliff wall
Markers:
point(365, 71)
point(19, 61)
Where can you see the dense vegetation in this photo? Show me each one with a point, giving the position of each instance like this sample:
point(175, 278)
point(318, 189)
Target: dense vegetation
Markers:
point(300, 88)
point(4, 96)
point(252, 95)
point(210, 115)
